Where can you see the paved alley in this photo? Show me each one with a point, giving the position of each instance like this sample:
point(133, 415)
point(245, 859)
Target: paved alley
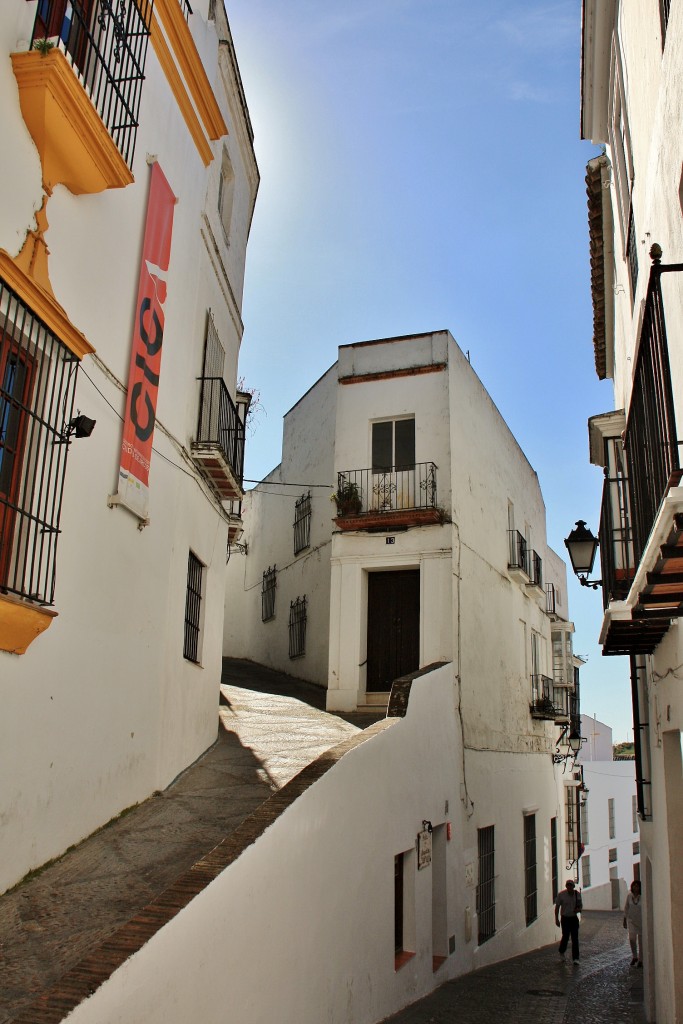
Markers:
point(271, 726)
point(541, 988)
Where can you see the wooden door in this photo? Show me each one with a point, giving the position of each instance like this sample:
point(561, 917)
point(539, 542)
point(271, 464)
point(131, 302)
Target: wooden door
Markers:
point(393, 627)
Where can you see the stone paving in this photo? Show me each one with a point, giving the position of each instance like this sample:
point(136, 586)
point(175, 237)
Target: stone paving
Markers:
point(542, 988)
point(271, 726)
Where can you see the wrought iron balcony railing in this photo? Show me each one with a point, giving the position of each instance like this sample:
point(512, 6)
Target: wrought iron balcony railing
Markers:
point(364, 492)
point(535, 568)
point(105, 41)
point(518, 554)
point(616, 540)
point(219, 447)
point(542, 704)
point(550, 599)
point(650, 439)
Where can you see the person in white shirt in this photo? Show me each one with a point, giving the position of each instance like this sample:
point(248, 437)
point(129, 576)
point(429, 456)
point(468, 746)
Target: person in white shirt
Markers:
point(633, 920)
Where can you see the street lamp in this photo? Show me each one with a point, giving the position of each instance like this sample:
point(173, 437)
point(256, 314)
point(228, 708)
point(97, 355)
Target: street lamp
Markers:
point(582, 545)
point(568, 746)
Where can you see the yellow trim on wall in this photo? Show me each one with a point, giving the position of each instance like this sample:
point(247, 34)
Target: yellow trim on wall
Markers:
point(165, 58)
point(75, 148)
point(27, 275)
point(190, 63)
point(21, 623)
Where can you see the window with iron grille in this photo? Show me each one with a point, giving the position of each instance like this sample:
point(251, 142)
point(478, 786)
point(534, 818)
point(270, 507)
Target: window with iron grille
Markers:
point(571, 824)
point(612, 858)
point(193, 608)
point(106, 44)
point(37, 386)
point(584, 823)
point(611, 819)
point(486, 885)
point(302, 523)
point(268, 586)
point(530, 891)
point(636, 848)
point(553, 857)
point(297, 627)
point(586, 871)
point(634, 812)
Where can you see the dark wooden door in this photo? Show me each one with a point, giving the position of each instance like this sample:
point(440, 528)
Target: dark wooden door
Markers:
point(393, 627)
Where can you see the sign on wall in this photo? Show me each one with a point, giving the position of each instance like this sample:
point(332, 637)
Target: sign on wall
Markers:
point(145, 356)
point(424, 849)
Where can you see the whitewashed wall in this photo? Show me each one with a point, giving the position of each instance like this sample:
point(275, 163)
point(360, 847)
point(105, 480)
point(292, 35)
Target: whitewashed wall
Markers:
point(609, 780)
point(314, 896)
point(103, 709)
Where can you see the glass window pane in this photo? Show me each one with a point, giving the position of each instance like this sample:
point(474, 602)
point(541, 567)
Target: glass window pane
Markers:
point(405, 443)
point(381, 446)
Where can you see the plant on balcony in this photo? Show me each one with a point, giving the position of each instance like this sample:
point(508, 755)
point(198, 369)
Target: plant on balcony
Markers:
point(347, 499)
point(43, 46)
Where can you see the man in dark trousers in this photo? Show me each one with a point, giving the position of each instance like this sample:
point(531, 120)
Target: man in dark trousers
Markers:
point(568, 905)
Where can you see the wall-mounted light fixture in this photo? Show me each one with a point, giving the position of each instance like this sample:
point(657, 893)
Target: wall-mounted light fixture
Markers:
point(582, 546)
point(568, 747)
point(79, 426)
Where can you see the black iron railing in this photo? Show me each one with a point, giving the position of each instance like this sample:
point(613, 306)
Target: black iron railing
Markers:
point(542, 704)
point(302, 523)
point(105, 42)
point(37, 386)
point(632, 253)
point(616, 540)
point(362, 491)
point(268, 587)
point(220, 425)
point(298, 615)
point(550, 599)
point(535, 568)
point(187, 10)
point(530, 875)
point(486, 885)
point(650, 440)
point(517, 553)
point(664, 7)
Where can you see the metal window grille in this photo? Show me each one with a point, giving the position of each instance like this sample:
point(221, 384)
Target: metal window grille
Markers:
point(572, 825)
point(297, 627)
point(193, 606)
point(583, 807)
point(530, 890)
point(612, 858)
point(37, 387)
point(535, 568)
point(664, 8)
point(634, 812)
point(268, 587)
point(554, 866)
point(551, 600)
point(302, 523)
point(650, 440)
point(486, 886)
point(586, 871)
point(616, 535)
point(632, 252)
point(105, 41)
point(517, 550)
point(610, 815)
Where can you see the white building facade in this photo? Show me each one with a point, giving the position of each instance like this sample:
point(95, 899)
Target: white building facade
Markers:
point(432, 550)
point(128, 188)
point(632, 103)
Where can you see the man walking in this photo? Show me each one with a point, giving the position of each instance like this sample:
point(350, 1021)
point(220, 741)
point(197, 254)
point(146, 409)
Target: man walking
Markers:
point(568, 905)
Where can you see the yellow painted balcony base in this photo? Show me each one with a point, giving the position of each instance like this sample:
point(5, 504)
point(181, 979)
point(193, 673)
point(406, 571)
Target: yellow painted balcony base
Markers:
point(21, 623)
point(75, 148)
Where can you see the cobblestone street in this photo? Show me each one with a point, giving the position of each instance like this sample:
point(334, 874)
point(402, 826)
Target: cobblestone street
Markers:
point(540, 987)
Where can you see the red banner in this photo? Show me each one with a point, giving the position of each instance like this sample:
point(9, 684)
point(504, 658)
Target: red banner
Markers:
point(145, 356)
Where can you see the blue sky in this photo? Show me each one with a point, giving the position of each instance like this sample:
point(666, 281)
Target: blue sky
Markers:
point(421, 169)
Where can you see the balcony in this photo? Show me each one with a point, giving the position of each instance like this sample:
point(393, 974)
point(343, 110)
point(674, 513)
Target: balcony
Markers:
point(542, 703)
point(518, 559)
point(79, 88)
point(219, 448)
point(391, 500)
point(641, 527)
point(535, 569)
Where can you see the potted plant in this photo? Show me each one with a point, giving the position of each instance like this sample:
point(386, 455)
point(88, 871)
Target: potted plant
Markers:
point(347, 499)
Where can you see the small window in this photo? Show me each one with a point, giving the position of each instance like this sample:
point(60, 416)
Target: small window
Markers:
point(193, 608)
point(530, 890)
point(586, 871)
point(584, 823)
point(636, 849)
point(268, 585)
point(486, 885)
point(302, 523)
point(613, 855)
point(393, 445)
point(297, 628)
point(611, 818)
point(226, 194)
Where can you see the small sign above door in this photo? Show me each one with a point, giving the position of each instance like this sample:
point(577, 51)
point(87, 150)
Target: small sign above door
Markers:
point(424, 849)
